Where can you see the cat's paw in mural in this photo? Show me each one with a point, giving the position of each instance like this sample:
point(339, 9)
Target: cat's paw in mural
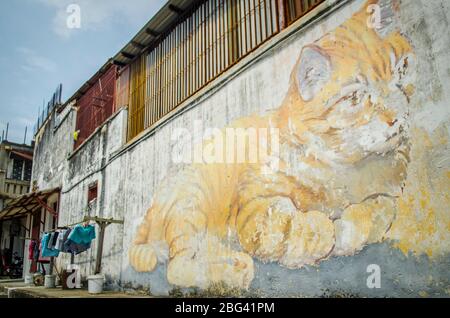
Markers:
point(204, 269)
point(310, 239)
point(263, 225)
point(363, 223)
point(143, 258)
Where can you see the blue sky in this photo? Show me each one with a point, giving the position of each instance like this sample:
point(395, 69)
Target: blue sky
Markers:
point(38, 50)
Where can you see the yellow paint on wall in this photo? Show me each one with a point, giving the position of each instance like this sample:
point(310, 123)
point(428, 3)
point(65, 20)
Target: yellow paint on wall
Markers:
point(422, 225)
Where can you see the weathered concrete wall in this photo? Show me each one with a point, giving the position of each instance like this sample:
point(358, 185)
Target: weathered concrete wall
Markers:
point(59, 165)
point(53, 147)
point(91, 163)
point(374, 190)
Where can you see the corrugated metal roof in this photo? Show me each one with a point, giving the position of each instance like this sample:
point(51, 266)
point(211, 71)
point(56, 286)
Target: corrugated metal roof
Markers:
point(149, 34)
point(26, 204)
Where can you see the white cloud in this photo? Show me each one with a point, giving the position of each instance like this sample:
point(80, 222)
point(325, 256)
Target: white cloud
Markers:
point(34, 62)
point(98, 14)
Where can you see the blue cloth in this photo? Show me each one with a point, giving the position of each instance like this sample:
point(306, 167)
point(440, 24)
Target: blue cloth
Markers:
point(45, 251)
point(64, 248)
point(74, 248)
point(82, 235)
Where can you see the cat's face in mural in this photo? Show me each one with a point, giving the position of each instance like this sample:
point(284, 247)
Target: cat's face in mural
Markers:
point(346, 105)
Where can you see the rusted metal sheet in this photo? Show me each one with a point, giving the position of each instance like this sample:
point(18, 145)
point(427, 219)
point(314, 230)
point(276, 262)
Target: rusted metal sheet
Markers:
point(96, 105)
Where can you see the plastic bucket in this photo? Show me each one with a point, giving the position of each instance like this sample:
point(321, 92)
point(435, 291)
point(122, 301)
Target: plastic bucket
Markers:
point(29, 279)
point(95, 284)
point(50, 281)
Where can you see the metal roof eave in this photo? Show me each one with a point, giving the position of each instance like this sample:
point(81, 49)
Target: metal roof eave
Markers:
point(152, 30)
point(149, 34)
point(25, 204)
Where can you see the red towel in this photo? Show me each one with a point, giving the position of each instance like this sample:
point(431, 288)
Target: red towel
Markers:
point(31, 250)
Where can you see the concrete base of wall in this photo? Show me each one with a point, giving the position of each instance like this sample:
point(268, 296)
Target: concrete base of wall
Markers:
point(18, 289)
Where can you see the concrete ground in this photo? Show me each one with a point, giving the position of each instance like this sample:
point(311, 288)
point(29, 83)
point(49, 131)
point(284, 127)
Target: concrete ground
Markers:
point(18, 289)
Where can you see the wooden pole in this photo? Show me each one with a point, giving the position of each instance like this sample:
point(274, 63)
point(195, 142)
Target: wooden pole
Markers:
point(98, 261)
point(52, 259)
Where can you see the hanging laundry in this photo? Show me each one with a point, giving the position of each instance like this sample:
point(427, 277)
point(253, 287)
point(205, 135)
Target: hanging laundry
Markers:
point(36, 251)
point(50, 240)
point(75, 248)
point(45, 251)
point(55, 238)
point(65, 248)
point(82, 234)
point(60, 240)
point(79, 239)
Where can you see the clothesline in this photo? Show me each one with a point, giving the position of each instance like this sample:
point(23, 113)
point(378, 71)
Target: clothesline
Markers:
point(75, 244)
point(87, 219)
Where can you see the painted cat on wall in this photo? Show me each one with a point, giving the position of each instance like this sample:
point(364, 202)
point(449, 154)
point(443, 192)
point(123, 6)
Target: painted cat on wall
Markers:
point(343, 157)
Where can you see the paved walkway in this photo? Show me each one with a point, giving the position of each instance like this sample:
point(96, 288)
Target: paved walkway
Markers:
point(18, 289)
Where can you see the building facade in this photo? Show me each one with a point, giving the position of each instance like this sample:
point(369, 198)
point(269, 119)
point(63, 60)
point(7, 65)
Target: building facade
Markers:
point(345, 102)
point(16, 161)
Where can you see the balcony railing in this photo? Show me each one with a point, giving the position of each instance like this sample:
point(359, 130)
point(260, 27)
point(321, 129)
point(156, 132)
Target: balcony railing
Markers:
point(15, 188)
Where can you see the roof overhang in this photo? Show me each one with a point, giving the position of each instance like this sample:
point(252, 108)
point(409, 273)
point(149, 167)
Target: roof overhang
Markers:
point(22, 155)
point(28, 204)
point(154, 30)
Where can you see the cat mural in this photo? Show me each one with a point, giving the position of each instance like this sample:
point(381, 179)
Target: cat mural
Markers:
point(344, 120)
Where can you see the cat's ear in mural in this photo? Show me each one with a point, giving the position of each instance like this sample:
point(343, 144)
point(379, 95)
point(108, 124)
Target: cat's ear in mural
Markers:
point(381, 16)
point(313, 72)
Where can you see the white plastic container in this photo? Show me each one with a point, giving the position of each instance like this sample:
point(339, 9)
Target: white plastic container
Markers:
point(29, 279)
point(50, 281)
point(95, 284)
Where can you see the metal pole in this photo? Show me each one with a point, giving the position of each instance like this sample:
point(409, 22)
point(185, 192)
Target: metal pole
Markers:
point(25, 137)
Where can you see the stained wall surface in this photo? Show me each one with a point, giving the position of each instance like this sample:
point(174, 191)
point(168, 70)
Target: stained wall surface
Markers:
point(361, 185)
